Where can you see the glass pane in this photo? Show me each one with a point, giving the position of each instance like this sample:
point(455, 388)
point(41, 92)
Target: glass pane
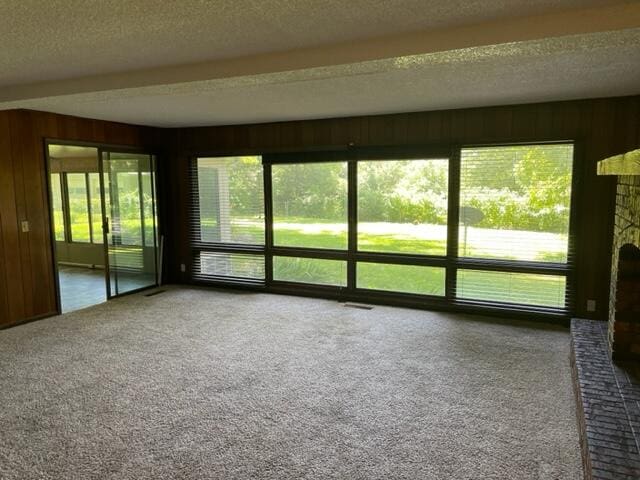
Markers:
point(96, 207)
point(401, 278)
point(402, 206)
point(507, 287)
point(58, 212)
point(78, 207)
point(228, 265)
point(310, 205)
point(132, 262)
point(231, 200)
point(310, 270)
point(515, 202)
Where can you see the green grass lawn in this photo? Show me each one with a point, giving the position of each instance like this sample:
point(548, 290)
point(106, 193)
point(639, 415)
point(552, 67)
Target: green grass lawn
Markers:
point(542, 290)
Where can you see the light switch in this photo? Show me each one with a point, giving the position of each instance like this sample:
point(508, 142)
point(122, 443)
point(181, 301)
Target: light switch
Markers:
point(591, 305)
point(183, 267)
point(25, 226)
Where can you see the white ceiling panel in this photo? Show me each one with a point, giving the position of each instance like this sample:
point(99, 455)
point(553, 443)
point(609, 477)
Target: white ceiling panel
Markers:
point(273, 60)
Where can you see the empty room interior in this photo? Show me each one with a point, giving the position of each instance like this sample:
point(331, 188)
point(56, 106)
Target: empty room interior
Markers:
point(320, 239)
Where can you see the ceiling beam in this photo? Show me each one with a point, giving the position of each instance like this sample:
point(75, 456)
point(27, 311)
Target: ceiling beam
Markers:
point(499, 32)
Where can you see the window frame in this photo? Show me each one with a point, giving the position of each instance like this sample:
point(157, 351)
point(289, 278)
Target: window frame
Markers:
point(63, 208)
point(199, 246)
point(451, 262)
point(514, 266)
point(66, 208)
point(96, 237)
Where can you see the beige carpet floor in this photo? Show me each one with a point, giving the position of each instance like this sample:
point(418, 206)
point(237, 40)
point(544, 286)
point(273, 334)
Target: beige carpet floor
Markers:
point(194, 384)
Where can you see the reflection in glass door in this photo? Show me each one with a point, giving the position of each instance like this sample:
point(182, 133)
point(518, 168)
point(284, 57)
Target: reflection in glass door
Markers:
point(130, 221)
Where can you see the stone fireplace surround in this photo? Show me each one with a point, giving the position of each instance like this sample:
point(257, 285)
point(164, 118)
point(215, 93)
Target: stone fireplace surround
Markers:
point(606, 356)
point(624, 307)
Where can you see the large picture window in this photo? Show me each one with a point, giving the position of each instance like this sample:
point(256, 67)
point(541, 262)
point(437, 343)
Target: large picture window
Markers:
point(478, 227)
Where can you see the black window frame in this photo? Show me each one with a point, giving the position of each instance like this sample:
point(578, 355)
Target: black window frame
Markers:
point(451, 262)
point(199, 246)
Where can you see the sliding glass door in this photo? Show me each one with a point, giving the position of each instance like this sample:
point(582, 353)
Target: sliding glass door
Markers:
point(130, 221)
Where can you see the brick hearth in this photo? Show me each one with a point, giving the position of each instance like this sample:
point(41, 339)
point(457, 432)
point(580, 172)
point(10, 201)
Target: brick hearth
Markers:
point(608, 405)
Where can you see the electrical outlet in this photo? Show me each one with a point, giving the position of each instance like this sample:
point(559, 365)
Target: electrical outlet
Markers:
point(591, 305)
point(183, 267)
point(25, 226)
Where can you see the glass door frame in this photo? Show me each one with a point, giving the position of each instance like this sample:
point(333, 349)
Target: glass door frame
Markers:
point(100, 147)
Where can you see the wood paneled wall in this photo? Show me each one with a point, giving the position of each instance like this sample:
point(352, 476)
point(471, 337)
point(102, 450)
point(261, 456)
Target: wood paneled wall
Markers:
point(27, 284)
point(602, 127)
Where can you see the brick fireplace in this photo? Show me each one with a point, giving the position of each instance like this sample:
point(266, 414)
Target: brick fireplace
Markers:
point(624, 307)
point(605, 355)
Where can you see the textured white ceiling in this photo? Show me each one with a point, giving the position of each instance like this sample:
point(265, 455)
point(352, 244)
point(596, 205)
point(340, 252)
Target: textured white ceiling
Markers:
point(269, 60)
point(594, 65)
point(55, 39)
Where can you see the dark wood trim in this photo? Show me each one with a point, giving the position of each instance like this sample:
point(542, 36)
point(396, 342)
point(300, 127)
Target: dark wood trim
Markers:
point(229, 248)
point(507, 266)
point(335, 154)
point(402, 259)
point(352, 222)
point(268, 221)
point(303, 252)
point(417, 151)
point(453, 222)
